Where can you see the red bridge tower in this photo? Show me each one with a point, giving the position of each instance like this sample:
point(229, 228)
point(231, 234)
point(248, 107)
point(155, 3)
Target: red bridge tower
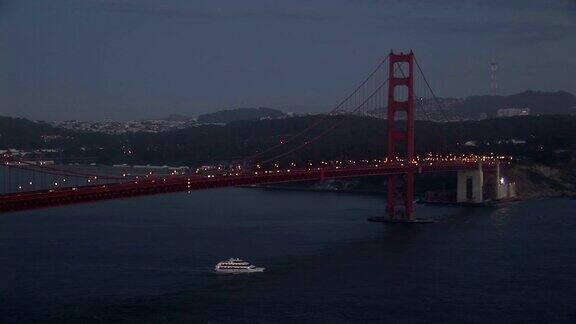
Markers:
point(401, 99)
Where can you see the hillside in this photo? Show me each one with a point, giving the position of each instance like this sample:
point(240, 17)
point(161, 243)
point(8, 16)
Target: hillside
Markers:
point(540, 103)
point(545, 139)
point(25, 134)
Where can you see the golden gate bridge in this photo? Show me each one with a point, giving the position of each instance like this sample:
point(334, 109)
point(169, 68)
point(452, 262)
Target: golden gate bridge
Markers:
point(392, 91)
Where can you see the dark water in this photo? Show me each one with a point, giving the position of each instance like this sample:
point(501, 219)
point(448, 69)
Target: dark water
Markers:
point(150, 260)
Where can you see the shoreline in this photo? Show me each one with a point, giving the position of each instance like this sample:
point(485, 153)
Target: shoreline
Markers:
point(347, 191)
point(419, 196)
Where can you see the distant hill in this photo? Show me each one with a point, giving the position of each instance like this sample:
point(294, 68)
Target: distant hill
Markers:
point(23, 133)
point(540, 103)
point(177, 118)
point(227, 116)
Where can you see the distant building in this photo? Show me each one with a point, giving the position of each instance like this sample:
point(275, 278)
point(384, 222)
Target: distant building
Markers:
point(113, 127)
point(511, 112)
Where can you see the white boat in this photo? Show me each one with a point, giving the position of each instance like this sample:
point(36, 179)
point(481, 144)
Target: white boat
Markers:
point(235, 265)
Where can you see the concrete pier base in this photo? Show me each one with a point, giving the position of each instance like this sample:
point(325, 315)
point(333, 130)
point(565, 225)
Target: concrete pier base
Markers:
point(470, 186)
point(401, 220)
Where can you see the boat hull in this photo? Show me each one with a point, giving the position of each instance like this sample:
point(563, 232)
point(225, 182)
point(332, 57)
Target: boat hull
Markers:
point(239, 271)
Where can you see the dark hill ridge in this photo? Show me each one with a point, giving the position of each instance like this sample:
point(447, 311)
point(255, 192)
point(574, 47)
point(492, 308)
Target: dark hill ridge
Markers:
point(540, 103)
point(543, 138)
point(232, 115)
point(24, 133)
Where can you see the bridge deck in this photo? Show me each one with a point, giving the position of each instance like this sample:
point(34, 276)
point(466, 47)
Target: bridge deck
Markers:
point(153, 186)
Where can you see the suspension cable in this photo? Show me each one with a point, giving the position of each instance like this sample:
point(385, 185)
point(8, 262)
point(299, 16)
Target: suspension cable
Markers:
point(325, 117)
point(328, 129)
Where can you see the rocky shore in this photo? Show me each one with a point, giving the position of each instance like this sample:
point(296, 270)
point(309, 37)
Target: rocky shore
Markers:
point(540, 181)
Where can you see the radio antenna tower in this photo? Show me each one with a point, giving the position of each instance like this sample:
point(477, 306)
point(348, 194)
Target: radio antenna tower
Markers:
point(493, 80)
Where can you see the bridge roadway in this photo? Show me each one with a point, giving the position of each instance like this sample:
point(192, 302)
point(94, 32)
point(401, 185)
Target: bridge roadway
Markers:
point(169, 184)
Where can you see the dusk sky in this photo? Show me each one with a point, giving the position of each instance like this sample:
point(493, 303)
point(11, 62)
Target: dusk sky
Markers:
point(133, 59)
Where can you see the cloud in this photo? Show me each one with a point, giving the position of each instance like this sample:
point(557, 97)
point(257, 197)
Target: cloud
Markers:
point(506, 31)
point(510, 21)
point(157, 9)
point(188, 11)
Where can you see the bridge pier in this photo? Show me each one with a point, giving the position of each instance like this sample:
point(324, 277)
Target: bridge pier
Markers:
point(404, 212)
point(504, 189)
point(473, 187)
point(470, 186)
